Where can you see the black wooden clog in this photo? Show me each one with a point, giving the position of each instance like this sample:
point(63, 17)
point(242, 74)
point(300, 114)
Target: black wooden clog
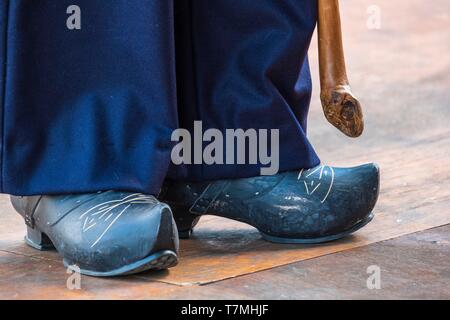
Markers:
point(308, 206)
point(105, 233)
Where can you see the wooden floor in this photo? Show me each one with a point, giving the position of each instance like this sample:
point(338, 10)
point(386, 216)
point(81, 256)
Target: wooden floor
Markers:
point(402, 75)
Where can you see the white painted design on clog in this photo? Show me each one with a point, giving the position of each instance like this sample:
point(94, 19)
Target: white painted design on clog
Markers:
point(309, 185)
point(103, 212)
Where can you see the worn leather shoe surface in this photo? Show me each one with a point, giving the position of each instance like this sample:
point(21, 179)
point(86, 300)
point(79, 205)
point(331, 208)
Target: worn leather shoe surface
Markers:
point(308, 206)
point(103, 234)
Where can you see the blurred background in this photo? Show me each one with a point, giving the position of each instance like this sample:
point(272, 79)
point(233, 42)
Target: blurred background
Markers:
point(400, 70)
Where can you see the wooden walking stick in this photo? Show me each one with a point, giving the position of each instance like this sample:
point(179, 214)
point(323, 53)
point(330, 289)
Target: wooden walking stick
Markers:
point(340, 106)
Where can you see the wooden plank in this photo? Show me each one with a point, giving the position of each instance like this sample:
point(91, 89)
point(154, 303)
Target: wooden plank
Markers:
point(23, 277)
point(415, 266)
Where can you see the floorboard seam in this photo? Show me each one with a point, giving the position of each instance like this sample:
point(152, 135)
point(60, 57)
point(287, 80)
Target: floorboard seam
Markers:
point(320, 256)
point(28, 256)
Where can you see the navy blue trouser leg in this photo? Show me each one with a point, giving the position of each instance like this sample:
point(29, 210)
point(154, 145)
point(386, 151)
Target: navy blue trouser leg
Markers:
point(243, 64)
point(88, 109)
point(94, 109)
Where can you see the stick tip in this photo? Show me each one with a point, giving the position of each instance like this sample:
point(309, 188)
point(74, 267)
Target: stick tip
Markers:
point(343, 110)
